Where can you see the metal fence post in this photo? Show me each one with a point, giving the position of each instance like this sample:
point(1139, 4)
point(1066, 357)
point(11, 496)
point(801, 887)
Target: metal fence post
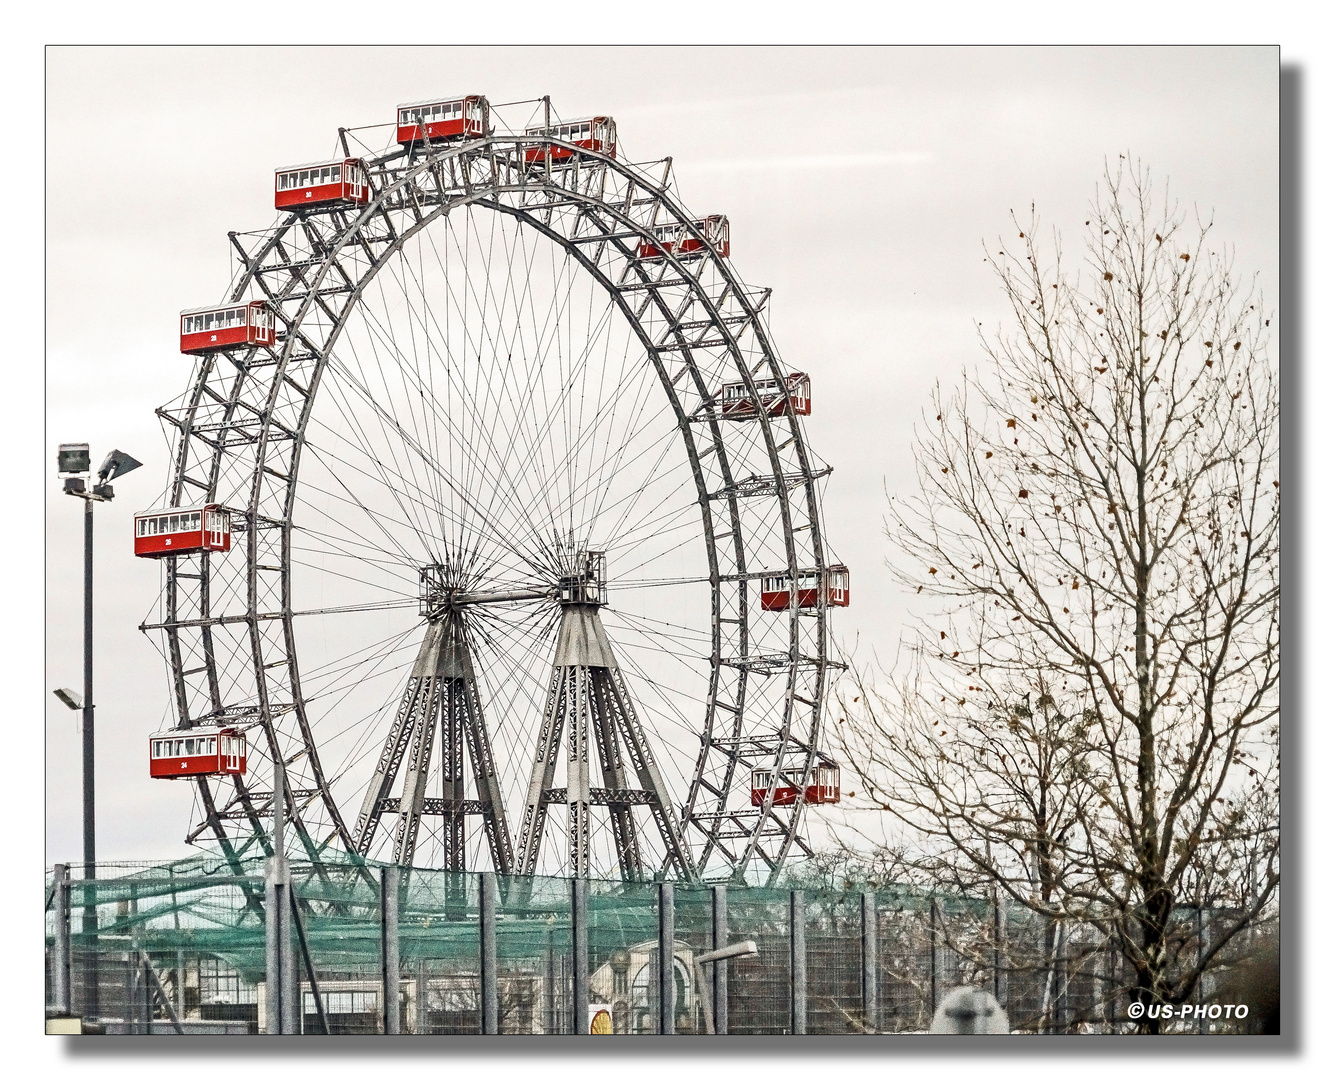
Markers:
point(61, 975)
point(1060, 976)
point(291, 999)
point(280, 948)
point(132, 1008)
point(487, 952)
point(179, 982)
point(145, 989)
point(272, 911)
point(869, 961)
point(391, 949)
point(720, 967)
point(1203, 1027)
point(1000, 990)
point(579, 917)
point(933, 958)
point(798, 1026)
point(551, 1014)
point(1114, 977)
point(666, 951)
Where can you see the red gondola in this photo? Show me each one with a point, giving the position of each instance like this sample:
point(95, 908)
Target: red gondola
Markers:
point(181, 530)
point(442, 121)
point(204, 330)
point(683, 239)
point(325, 183)
point(738, 404)
point(775, 590)
point(825, 786)
point(595, 133)
point(215, 751)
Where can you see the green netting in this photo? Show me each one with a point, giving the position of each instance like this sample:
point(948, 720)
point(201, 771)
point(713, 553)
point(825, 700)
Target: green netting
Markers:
point(834, 999)
point(182, 946)
point(759, 987)
point(694, 936)
point(623, 954)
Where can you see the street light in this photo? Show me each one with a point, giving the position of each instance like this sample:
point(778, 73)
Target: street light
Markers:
point(72, 698)
point(729, 952)
point(73, 464)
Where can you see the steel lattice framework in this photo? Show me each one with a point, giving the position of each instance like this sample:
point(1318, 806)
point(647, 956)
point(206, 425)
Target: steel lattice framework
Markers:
point(246, 430)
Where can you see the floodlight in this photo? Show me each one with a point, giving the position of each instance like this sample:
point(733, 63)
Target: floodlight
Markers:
point(70, 697)
point(117, 463)
point(74, 457)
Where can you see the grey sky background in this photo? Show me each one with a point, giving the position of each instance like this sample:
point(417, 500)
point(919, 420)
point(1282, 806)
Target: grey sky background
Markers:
point(860, 184)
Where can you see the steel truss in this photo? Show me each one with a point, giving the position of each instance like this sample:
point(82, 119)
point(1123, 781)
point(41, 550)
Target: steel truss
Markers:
point(588, 695)
point(241, 432)
point(442, 685)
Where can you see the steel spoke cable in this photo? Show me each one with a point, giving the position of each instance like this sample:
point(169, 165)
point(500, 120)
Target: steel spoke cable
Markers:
point(534, 436)
point(379, 335)
point(619, 584)
point(408, 439)
point(674, 631)
point(349, 540)
point(377, 605)
point(426, 315)
point(374, 451)
point(394, 490)
point(630, 497)
point(482, 417)
point(402, 484)
point(316, 544)
point(552, 409)
point(343, 665)
point(479, 457)
point(653, 530)
point(403, 597)
point(602, 481)
point(334, 697)
point(376, 517)
point(525, 649)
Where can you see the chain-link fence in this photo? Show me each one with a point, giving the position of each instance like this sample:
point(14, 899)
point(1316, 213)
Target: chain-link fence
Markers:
point(187, 948)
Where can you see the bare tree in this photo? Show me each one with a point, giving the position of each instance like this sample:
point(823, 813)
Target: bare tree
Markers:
point(1090, 721)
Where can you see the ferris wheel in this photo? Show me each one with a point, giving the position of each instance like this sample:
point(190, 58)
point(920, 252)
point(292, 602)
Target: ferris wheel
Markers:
point(492, 514)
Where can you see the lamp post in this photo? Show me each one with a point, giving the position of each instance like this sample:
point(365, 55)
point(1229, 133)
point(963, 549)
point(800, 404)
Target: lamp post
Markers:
point(74, 465)
point(727, 952)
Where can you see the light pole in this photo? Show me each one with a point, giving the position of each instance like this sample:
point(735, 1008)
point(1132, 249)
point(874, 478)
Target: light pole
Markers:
point(727, 952)
point(74, 465)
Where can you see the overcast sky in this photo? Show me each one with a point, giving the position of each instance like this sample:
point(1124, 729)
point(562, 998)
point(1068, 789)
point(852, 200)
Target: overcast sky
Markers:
point(860, 185)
